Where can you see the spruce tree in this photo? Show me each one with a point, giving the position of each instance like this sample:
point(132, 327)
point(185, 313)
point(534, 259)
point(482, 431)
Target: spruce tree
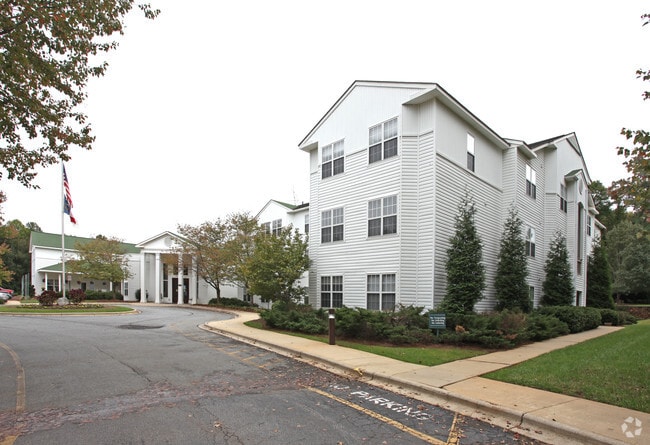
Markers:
point(465, 271)
point(558, 284)
point(599, 279)
point(512, 268)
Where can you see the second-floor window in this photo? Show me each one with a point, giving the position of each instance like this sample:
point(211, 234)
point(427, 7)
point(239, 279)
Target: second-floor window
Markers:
point(531, 182)
point(306, 224)
point(530, 242)
point(331, 222)
point(589, 224)
point(382, 216)
point(333, 161)
point(563, 201)
point(382, 141)
point(470, 153)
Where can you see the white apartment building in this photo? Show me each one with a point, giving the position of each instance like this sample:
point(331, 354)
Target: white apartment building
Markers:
point(389, 163)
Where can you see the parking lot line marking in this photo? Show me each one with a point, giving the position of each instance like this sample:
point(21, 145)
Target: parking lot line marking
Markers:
point(20, 379)
point(454, 432)
point(394, 423)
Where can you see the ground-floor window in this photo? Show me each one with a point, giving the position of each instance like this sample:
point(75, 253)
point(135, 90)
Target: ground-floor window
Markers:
point(53, 284)
point(381, 292)
point(331, 291)
point(126, 288)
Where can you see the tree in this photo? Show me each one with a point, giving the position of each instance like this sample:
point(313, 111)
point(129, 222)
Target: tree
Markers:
point(610, 212)
point(634, 191)
point(101, 259)
point(47, 53)
point(465, 270)
point(17, 260)
point(277, 264)
point(628, 251)
point(512, 268)
point(558, 284)
point(5, 273)
point(221, 248)
point(599, 280)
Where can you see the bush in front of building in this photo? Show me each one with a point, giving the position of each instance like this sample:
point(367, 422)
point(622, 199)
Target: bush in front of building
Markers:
point(103, 295)
point(231, 302)
point(405, 325)
point(577, 318)
point(76, 296)
point(48, 298)
point(617, 318)
point(296, 317)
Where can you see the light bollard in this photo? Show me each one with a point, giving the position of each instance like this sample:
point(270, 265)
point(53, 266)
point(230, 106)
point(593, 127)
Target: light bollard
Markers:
point(332, 326)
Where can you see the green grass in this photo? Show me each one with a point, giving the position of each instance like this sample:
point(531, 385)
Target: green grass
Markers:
point(429, 356)
point(4, 309)
point(613, 369)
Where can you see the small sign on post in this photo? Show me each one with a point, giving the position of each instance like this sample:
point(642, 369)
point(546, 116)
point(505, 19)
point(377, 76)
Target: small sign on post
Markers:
point(437, 322)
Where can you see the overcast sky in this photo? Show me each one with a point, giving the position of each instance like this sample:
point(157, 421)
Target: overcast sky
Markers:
point(201, 110)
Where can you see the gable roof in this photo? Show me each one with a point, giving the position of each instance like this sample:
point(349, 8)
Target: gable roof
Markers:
point(53, 241)
point(428, 91)
point(290, 207)
point(165, 234)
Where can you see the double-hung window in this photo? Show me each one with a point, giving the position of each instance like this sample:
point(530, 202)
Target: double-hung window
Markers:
point(333, 161)
point(381, 292)
point(530, 242)
point(331, 291)
point(470, 153)
point(277, 227)
point(563, 200)
point(266, 227)
point(382, 141)
point(531, 182)
point(331, 225)
point(382, 216)
point(306, 224)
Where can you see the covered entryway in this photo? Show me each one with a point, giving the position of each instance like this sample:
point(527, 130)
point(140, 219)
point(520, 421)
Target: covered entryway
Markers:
point(175, 288)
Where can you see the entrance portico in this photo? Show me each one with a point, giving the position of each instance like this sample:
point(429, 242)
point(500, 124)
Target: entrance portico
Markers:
point(166, 274)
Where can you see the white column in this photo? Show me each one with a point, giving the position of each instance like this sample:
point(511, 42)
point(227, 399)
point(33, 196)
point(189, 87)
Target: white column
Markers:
point(180, 278)
point(170, 282)
point(143, 289)
point(157, 278)
point(193, 295)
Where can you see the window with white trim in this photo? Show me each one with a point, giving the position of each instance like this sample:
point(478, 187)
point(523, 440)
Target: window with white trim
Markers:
point(470, 152)
point(266, 227)
point(306, 224)
point(382, 141)
point(590, 222)
point(530, 242)
point(563, 201)
point(331, 222)
point(531, 182)
point(53, 284)
point(381, 292)
point(331, 291)
point(277, 226)
point(382, 216)
point(126, 288)
point(332, 159)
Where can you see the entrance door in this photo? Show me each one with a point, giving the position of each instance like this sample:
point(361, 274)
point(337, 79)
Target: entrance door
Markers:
point(186, 286)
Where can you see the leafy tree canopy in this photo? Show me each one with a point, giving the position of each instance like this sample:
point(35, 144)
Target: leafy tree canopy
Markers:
point(46, 49)
point(277, 264)
point(101, 259)
point(628, 251)
point(634, 191)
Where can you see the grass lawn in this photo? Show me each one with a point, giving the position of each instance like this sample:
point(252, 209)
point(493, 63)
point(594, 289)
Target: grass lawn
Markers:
point(420, 355)
point(613, 369)
point(4, 309)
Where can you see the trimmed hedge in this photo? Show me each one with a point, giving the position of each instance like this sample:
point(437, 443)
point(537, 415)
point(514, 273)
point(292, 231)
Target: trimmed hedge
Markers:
point(577, 318)
point(230, 302)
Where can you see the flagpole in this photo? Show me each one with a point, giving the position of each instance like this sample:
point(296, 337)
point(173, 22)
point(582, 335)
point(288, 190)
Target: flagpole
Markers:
point(63, 229)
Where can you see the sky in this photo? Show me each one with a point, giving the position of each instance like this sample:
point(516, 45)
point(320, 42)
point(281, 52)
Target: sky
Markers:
point(200, 112)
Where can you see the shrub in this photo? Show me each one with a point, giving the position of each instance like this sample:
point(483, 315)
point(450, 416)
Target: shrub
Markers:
point(230, 302)
point(48, 298)
point(577, 318)
point(295, 317)
point(542, 327)
point(76, 296)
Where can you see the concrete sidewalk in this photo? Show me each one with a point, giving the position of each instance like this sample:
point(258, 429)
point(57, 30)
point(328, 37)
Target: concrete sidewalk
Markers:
point(546, 416)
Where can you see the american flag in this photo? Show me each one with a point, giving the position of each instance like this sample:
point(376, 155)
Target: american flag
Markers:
point(67, 198)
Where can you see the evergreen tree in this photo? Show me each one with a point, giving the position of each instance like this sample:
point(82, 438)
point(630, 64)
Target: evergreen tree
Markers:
point(512, 268)
point(599, 280)
point(558, 284)
point(465, 271)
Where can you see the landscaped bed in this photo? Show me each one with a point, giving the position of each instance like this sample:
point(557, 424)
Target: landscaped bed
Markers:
point(67, 309)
